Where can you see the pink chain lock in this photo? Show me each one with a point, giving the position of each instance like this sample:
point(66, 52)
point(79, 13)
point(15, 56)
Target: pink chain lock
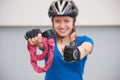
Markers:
point(34, 57)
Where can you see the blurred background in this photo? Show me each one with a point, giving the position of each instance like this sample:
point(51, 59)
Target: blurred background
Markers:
point(98, 19)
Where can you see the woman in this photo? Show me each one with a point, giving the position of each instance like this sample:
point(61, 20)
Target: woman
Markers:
point(71, 51)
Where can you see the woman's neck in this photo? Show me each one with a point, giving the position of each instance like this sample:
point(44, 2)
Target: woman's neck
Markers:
point(64, 40)
point(61, 42)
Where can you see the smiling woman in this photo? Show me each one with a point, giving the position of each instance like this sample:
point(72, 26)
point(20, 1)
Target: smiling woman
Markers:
point(70, 50)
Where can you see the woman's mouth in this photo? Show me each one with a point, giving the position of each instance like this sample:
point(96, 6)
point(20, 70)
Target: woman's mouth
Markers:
point(62, 30)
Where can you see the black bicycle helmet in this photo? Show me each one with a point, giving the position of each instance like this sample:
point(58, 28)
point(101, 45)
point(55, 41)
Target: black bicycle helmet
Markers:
point(63, 8)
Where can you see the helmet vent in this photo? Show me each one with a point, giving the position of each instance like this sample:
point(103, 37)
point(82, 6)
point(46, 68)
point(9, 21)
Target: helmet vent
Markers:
point(61, 2)
point(56, 5)
point(65, 6)
point(73, 7)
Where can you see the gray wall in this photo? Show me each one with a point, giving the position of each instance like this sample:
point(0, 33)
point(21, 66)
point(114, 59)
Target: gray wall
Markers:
point(102, 64)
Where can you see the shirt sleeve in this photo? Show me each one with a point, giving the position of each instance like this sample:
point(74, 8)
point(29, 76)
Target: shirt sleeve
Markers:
point(82, 39)
point(88, 39)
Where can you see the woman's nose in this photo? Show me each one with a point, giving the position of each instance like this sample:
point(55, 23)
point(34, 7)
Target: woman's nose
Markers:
point(62, 24)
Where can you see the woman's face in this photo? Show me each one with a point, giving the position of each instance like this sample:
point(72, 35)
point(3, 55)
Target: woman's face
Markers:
point(63, 25)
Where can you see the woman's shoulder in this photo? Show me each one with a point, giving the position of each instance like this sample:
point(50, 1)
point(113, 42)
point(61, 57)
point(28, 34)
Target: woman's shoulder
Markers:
point(84, 38)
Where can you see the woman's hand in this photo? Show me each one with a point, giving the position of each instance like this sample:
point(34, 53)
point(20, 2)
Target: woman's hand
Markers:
point(34, 37)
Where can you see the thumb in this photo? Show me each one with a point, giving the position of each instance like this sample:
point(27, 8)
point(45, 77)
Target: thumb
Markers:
point(40, 37)
point(73, 36)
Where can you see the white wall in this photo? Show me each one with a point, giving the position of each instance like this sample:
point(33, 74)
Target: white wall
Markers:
point(35, 12)
point(102, 64)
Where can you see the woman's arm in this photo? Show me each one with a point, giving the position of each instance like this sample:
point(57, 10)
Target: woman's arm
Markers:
point(85, 49)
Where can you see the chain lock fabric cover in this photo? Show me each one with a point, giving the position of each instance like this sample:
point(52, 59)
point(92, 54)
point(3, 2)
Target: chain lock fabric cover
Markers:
point(34, 57)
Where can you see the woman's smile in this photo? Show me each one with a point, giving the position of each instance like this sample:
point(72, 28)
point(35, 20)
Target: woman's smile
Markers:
point(62, 30)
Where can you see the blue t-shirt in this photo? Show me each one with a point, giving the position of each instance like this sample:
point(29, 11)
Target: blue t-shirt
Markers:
point(62, 70)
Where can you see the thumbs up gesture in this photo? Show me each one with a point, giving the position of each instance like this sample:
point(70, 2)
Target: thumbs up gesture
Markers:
point(71, 52)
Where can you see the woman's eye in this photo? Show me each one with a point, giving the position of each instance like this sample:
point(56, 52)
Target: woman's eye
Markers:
point(57, 21)
point(66, 21)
